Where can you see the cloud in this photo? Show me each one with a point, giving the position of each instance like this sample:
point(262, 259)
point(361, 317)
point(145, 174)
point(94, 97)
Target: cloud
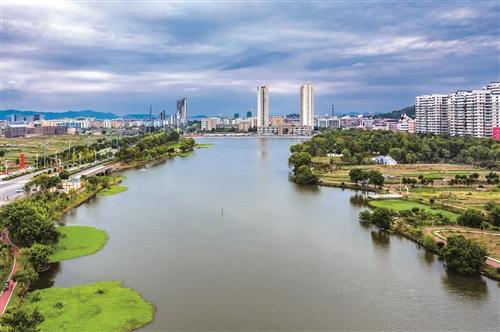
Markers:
point(361, 56)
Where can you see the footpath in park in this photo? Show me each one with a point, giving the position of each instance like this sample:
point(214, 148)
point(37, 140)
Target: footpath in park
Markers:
point(6, 294)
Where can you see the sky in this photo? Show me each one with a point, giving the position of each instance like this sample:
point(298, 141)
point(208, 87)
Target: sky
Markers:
point(362, 56)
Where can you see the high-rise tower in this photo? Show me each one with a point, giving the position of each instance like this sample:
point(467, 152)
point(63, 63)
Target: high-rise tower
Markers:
point(307, 104)
point(263, 106)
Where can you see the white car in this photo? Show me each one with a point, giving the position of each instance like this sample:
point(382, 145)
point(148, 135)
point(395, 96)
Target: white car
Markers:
point(19, 190)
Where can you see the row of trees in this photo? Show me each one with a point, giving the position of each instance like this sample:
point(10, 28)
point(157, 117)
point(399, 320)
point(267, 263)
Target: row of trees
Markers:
point(153, 146)
point(358, 146)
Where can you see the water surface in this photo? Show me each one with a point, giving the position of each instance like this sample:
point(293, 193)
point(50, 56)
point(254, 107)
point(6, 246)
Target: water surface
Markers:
point(222, 240)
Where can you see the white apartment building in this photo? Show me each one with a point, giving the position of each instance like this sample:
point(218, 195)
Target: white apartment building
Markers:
point(263, 106)
point(431, 114)
point(462, 113)
point(307, 104)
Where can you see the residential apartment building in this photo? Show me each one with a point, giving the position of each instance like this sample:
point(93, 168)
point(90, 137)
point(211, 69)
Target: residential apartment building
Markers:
point(208, 124)
point(431, 113)
point(462, 113)
point(307, 104)
point(263, 106)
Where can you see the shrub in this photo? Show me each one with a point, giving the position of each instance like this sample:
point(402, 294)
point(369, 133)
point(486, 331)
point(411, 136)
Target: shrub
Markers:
point(304, 175)
point(463, 255)
point(382, 218)
point(471, 218)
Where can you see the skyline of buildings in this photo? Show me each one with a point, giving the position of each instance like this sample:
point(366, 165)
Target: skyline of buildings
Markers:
point(462, 113)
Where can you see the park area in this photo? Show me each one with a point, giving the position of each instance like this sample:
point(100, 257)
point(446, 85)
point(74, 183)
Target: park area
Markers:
point(454, 197)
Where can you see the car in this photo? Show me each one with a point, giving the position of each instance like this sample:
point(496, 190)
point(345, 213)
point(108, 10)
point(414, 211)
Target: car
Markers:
point(6, 285)
point(19, 190)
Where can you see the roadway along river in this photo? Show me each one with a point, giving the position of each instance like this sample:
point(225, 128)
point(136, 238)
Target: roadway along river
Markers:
point(279, 257)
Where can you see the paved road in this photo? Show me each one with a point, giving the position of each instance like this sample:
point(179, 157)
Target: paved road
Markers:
point(9, 188)
point(5, 295)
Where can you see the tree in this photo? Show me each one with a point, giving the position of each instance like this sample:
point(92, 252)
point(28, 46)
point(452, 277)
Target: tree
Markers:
point(26, 277)
point(382, 218)
point(432, 200)
point(29, 222)
point(365, 216)
point(304, 175)
point(298, 159)
point(471, 218)
point(463, 255)
point(357, 174)
point(37, 255)
point(64, 175)
point(22, 319)
point(493, 213)
point(376, 178)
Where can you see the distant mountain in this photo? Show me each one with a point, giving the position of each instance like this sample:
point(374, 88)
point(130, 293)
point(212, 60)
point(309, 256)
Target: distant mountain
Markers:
point(5, 114)
point(138, 116)
point(396, 114)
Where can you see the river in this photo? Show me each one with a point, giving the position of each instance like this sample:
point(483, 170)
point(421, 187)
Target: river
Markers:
point(223, 240)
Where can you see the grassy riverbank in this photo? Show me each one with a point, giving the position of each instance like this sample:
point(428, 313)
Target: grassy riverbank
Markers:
point(113, 190)
point(402, 205)
point(78, 241)
point(100, 306)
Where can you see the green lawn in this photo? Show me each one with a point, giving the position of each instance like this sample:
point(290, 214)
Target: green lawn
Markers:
point(100, 306)
point(78, 241)
point(401, 205)
point(115, 189)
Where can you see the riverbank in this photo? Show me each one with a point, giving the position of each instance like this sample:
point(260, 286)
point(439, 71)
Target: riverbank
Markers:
point(78, 241)
point(100, 306)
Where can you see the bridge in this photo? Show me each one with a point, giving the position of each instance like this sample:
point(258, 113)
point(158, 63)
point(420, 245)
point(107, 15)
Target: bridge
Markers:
point(98, 170)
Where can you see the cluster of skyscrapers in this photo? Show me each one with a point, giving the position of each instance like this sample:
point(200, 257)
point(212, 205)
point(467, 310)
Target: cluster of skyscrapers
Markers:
point(473, 113)
point(306, 125)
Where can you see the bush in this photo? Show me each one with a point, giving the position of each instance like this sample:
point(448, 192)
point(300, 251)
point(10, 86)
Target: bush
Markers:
point(382, 218)
point(464, 256)
point(304, 175)
point(365, 216)
point(471, 218)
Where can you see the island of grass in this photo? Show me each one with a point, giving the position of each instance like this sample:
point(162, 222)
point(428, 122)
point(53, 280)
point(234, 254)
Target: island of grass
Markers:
point(114, 189)
point(78, 241)
point(100, 306)
point(401, 205)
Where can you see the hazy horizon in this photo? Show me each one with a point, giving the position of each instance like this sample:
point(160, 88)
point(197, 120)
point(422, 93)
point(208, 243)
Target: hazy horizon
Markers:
point(362, 57)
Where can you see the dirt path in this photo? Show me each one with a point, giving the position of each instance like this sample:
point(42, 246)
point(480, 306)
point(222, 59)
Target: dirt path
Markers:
point(434, 232)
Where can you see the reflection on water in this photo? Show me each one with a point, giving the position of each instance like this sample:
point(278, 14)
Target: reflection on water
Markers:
point(359, 200)
point(46, 278)
point(381, 238)
point(429, 257)
point(468, 287)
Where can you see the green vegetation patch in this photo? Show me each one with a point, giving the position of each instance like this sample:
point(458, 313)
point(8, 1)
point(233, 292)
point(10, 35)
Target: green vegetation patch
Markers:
point(78, 241)
point(401, 205)
point(116, 189)
point(100, 306)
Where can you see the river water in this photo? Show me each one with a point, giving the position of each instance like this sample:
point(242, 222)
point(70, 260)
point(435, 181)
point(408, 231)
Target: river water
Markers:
point(223, 240)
